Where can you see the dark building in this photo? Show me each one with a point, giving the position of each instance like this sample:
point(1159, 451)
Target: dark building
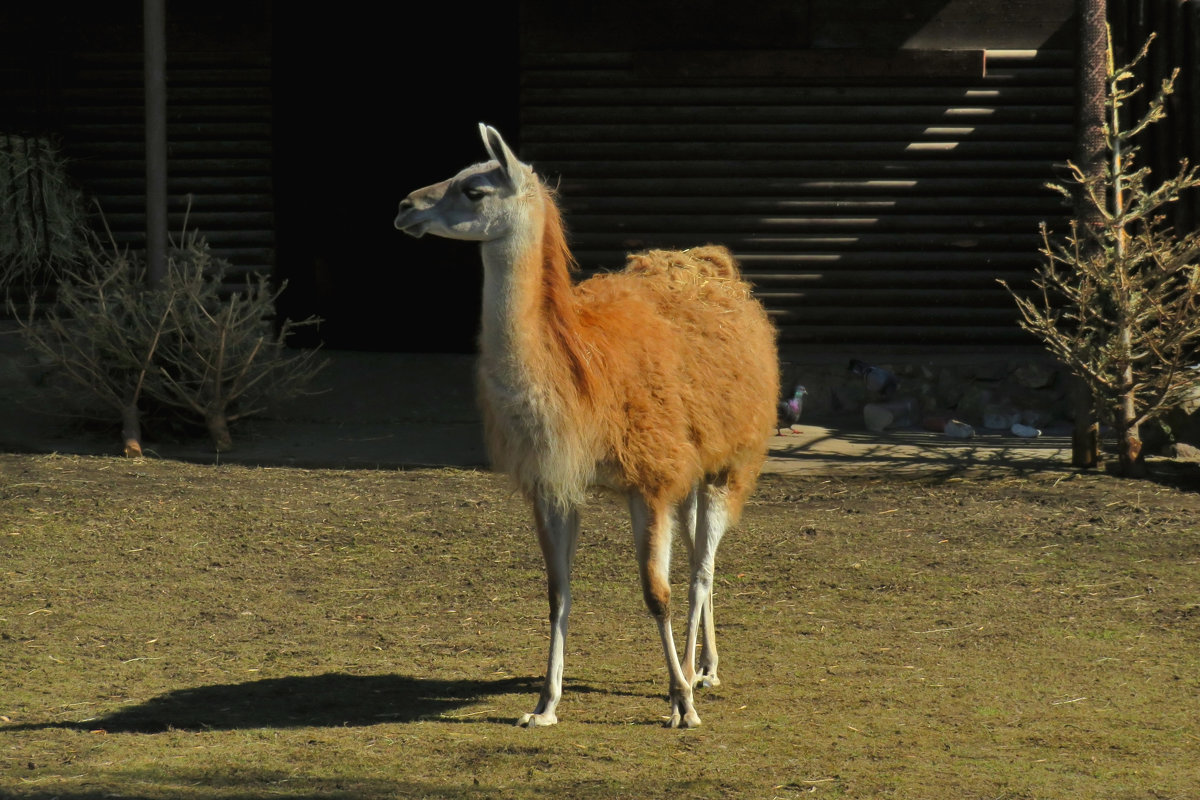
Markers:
point(876, 165)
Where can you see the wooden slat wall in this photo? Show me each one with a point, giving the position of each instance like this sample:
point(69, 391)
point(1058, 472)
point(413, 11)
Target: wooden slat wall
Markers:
point(219, 148)
point(1176, 24)
point(867, 212)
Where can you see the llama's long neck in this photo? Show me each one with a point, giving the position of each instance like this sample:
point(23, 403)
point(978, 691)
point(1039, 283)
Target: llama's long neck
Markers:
point(535, 371)
point(529, 327)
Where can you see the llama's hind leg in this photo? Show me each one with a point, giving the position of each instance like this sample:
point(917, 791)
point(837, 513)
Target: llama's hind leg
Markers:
point(652, 530)
point(711, 520)
point(686, 518)
point(558, 532)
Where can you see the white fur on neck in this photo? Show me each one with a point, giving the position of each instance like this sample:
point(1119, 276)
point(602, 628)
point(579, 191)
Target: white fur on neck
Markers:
point(541, 449)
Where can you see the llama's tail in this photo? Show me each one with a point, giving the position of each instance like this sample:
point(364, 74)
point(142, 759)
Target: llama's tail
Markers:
point(709, 261)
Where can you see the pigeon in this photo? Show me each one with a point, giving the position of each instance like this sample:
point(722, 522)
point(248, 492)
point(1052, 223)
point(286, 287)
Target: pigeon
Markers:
point(789, 410)
point(876, 379)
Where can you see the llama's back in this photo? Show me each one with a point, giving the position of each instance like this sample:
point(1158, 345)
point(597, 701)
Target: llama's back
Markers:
point(707, 262)
point(701, 372)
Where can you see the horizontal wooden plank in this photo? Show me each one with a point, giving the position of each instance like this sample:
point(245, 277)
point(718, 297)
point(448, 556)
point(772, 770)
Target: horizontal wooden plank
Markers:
point(179, 166)
point(176, 148)
point(897, 315)
point(900, 335)
point(190, 129)
point(189, 58)
point(258, 259)
point(726, 165)
point(1033, 77)
point(894, 121)
point(623, 224)
point(132, 112)
point(767, 176)
point(906, 266)
point(853, 269)
point(574, 187)
point(177, 74)
point(870, 297)
point(565, 93)
point(260, 223)
point(694, 128)
point(839, 64)
point(534, 58)
point(827, 203)
point(926, 241)
point(129, 95)
point(135, 201)
point(135, 185)
point(245, 240)
point(1039, 153)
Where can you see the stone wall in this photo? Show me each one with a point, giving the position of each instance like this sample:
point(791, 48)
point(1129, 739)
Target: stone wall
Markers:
point(1029, 390)
point(990, 394)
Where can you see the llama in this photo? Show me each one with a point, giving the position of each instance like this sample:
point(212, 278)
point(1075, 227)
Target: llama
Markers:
point(659, 381)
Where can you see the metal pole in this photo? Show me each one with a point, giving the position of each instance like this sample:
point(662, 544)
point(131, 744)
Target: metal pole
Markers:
point(155, 78)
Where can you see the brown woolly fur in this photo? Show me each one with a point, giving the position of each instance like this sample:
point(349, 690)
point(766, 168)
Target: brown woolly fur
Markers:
point(665, 375)
point(710, 261)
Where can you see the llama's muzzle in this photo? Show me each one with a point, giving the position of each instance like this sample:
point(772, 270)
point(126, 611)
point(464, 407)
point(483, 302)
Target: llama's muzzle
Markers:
point(405, 222)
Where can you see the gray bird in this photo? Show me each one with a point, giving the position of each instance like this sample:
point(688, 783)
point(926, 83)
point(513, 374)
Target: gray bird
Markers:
point(876, 379)
point(789, 410)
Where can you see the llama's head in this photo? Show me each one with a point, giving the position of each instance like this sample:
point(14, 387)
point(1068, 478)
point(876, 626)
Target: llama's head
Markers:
point(481, 203)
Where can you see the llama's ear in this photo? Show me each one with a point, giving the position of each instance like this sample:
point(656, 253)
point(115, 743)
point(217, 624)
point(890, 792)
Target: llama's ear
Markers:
point(499, 151)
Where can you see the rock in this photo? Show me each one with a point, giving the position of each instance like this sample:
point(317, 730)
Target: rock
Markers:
point(1024, 431)
point(1034, 375)
point(935, 423)
point(1183, 427)
point(949, 387)
point(974, 398)
point(893, 413)
point(1000, 417)
point(989, 370)
point(957, 429)
point(877, 416)
point(1182, 451)
point(1035, 417)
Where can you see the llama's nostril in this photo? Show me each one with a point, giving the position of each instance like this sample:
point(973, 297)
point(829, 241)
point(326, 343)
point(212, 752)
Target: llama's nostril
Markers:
point(406, 204)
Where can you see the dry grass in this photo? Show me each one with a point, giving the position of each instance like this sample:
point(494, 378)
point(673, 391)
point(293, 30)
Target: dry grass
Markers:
point(178, 631)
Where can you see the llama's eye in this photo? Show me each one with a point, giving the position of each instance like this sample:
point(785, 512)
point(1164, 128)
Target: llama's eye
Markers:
point(474, 193)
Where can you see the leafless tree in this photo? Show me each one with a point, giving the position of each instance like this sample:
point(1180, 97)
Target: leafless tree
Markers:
point(1118, 298)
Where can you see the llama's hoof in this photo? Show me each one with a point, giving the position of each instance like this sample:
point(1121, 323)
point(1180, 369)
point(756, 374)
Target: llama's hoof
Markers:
point(683, 715)
point(706, 680)
point(689, 720)
point(537, 720)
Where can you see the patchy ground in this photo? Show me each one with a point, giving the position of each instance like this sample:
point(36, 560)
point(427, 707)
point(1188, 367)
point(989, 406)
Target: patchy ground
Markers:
point(178, 631)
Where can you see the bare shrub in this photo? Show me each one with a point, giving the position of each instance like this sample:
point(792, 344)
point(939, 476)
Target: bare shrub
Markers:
point(43, 216)
point(191, 345)
point(224, 359)
point(102, 335)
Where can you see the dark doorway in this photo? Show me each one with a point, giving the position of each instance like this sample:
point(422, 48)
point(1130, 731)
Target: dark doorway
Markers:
point(367, 108)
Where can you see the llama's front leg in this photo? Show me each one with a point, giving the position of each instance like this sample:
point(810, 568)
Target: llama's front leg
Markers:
point(558, 532)
point(712, 519)
point(652, 530)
